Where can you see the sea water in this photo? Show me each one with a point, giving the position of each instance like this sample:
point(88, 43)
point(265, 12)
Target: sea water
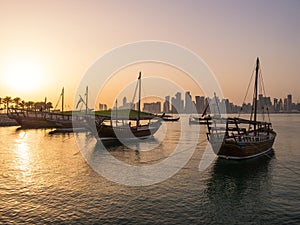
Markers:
point(45, 178)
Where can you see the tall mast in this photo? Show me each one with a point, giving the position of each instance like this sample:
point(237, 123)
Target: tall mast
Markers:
point(255, 92)
point(86, 99)
point(139, 103)
point(116, 112)
point(62, 99)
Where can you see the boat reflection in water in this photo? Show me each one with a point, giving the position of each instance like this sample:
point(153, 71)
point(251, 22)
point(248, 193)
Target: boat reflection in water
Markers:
point(239, 188)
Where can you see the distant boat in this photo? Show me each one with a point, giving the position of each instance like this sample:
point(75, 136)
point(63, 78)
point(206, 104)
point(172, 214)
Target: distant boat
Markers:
point(30, 118)
point(242, 138)
point(200, 120)
point(204, 119)
point(34, 119)
point(132, 125)
point(169, 118)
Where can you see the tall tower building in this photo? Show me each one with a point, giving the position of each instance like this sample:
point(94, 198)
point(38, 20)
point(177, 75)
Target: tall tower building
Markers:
point(166, 106)
point(188, 102)
point(178, 102)
point(289, 103)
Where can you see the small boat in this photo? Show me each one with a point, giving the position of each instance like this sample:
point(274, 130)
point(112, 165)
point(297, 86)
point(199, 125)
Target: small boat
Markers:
point(239, 138)
point(133, 125)
point(203, 120)
point(169, 118)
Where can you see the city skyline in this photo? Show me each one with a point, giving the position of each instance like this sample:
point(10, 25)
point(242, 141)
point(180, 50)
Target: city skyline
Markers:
point(274, 104)
point(199, 103)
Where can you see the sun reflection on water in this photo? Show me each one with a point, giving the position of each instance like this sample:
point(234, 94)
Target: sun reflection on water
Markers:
point(22, 150)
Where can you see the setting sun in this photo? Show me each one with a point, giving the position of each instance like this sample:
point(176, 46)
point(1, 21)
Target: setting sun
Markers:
point(23, 74)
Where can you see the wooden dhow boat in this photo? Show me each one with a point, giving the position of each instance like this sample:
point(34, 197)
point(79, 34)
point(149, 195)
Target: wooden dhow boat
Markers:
point(242, 138)
point(129, 125)
point(34, 119)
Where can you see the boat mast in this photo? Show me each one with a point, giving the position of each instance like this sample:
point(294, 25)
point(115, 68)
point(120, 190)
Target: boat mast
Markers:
point(116, 112)
point(62, 99)
point(86, 99)
point(139, 103)
point(217, 103)
point(255, 93)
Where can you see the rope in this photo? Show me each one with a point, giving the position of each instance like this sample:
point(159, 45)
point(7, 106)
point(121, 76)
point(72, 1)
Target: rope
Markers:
point(264, 92)
point(58, 101)
point(135, 90)
point(246, 92)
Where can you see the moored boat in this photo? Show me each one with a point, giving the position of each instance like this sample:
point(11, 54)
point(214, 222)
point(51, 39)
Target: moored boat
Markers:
point(108, 127)
point(239, 138)
point(200, 120)
point(169, 118)
point(34, 119)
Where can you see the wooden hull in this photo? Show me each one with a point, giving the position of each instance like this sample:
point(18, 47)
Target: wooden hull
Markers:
point(45, 120)
point(170, 119)
point(28, 123)
point(105, 132)
point(244, 150)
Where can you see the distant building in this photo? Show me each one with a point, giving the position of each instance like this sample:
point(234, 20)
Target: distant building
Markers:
point(264, 104)
point(289, 103)
point(153, 107)
point(197, 103)
point(285, 105)
point(188, 102)
point(166, 106)
point(102, 107)
point(126, 105)
point(281, 105)
point(173, 109)
point(177, 103)
point(276, 105)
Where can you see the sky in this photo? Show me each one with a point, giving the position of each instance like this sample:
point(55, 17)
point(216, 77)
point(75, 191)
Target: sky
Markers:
point(47, 45)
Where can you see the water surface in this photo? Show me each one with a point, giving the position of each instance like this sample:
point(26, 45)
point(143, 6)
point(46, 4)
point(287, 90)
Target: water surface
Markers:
point(44, 178)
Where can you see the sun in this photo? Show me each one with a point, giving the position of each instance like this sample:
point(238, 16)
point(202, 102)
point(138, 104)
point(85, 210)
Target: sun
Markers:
point(24, 74)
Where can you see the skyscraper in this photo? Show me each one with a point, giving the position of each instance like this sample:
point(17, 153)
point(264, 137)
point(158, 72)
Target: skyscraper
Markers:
point(178, 102)
point(166, 106)
point(188, 102)
point(289, 103)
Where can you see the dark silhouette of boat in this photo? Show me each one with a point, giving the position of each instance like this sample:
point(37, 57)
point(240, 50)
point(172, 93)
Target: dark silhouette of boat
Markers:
point(242, 138)
point(203, 120)
point(34, 119)
point(169, 118)
point(133, 125)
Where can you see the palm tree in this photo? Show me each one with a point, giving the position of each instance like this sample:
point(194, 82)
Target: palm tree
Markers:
point(22, 104)
point(49, 106)
point(17, 100)
point(6, 101)
point(39, 106)
point(29, 104)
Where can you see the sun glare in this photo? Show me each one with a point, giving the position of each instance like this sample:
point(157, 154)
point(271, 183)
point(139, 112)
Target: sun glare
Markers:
point(23, 75)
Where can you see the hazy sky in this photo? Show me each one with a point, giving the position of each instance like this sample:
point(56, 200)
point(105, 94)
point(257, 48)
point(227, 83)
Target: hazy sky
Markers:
point(52, 43)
